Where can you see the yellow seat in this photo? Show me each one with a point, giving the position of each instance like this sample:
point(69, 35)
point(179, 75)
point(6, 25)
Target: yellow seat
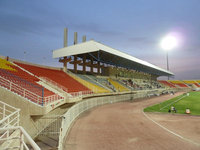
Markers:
point(4, 64)
point(175, 81)
point(118, 86)
point(189, 81)
point(95, 88)
point(198, 81)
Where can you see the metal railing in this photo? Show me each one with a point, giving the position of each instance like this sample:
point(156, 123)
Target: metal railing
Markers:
point(81, 93)
point(73, 94)
point(9, 115)
point(12, 136)
point(54, 83)
point(41, 100)
point(20, 81)
point(48, 125)
point(15, 137)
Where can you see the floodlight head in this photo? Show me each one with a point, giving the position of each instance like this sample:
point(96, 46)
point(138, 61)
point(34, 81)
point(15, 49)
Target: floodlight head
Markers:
point(169, 42)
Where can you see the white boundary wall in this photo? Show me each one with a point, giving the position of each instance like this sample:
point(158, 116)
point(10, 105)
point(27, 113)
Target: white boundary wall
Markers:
point(85, 105)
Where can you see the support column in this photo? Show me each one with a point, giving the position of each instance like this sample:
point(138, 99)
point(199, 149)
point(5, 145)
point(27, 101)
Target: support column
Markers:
point(91, 67)
point(98, 67)
point(75, 38)
point(102, 68)
point(84, 38)
point(65, 64)
point(65, 37)
point(84, 64)
point(65, 60)
point(75, 64)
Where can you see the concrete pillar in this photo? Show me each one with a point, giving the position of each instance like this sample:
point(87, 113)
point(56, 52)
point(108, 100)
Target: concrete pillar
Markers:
point(65, 37)
point(84, 38)
point(64, 61)
point(75, 38)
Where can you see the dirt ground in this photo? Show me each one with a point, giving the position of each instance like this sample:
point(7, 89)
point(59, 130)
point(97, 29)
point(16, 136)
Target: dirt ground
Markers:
point(123, 126)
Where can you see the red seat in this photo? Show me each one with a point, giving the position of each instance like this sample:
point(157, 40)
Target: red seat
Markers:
point(198, 85)
point(181, 84)
point(57, 76)
point(167, 83)
point(25, 80)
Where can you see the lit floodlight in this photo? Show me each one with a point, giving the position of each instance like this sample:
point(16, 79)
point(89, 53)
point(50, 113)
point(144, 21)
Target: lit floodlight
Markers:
point(169, 42)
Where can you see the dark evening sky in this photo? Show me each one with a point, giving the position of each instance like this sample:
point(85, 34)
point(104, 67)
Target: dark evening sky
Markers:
point(135, 27)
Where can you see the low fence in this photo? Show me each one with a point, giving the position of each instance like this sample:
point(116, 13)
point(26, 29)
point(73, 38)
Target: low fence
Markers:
point(48, 125)
point(44, 101)
point(81, 93)
point(184, 89)
point(82, 106)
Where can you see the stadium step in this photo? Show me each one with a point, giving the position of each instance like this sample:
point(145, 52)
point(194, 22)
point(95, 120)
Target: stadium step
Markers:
point(43, 146)
point(47, 142)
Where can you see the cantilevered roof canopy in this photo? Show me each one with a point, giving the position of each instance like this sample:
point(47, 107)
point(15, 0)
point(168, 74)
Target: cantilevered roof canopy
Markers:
point(108, 55)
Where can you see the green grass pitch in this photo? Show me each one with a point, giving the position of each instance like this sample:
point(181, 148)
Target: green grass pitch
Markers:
point(180, 103)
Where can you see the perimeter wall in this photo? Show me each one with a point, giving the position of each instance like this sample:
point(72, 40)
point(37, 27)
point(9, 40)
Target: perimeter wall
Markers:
point(89, 103)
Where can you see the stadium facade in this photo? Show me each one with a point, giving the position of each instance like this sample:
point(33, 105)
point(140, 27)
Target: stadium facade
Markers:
point(51, 98)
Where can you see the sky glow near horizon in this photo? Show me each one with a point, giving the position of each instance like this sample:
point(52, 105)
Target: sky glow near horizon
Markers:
point(135, 27)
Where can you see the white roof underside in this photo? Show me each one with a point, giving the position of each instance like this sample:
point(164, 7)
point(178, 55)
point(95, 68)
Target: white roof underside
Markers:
point(93, 46)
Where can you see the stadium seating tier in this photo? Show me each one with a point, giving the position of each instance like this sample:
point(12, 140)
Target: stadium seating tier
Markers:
point(167, 83)
point(56, 75)
point(22, 78)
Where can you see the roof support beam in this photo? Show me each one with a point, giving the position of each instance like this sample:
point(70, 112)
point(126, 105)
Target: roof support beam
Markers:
point(65, 60)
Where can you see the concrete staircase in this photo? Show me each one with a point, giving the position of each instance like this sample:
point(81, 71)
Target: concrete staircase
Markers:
point(47, 142)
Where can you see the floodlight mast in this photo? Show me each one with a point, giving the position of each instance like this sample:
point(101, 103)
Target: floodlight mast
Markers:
point(168, 43)
point(167, 64)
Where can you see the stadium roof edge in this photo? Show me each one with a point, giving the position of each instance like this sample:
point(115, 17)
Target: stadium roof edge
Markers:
point(93, 46)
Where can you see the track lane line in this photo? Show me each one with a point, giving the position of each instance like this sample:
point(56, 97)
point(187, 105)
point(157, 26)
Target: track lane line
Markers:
point(188, 140)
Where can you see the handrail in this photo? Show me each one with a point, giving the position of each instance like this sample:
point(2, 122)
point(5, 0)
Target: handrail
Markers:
point(20, 79)
point(18, 87)
point(40, 100)
point(9, 105)
point(6, 120)
point(9, 135)
point(23, 134)
point(55, 83)
point(81, 93)
point(33, 144)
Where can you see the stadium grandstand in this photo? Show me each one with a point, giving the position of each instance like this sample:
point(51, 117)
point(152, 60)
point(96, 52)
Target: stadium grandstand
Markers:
point(50, 98)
